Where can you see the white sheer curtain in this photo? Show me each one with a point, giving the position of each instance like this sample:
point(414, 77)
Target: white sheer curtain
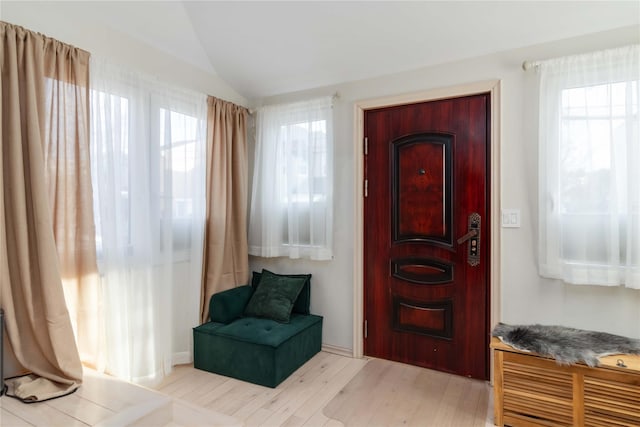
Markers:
point(589, 168)
point(148, 174)
point(292, 194)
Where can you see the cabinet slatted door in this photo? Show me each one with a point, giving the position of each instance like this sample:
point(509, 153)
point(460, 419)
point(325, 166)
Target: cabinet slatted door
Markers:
point(611, 402)
point(535, 392)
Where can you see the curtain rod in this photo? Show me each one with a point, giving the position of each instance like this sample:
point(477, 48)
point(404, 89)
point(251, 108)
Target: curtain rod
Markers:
point(527, 65)
point(335, 96)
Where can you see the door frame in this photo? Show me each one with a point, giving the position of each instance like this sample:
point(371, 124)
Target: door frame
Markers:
point(491, 86)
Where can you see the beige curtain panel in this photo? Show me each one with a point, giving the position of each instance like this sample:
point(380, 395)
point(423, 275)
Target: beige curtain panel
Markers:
point(43, 124)
point(68, 178)
point(226, 260)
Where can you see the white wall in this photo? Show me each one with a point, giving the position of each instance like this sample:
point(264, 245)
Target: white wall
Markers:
point(81, 24)
point(75, 23)
point(526, 297)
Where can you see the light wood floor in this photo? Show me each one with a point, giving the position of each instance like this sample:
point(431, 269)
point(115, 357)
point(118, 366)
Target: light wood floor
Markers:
point(104, 401)
point(320, 393)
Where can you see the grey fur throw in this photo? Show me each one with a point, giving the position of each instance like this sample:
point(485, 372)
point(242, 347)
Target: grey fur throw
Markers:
point(565, 345)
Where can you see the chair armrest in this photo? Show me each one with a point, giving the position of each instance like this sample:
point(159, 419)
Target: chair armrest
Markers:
point(227, 306)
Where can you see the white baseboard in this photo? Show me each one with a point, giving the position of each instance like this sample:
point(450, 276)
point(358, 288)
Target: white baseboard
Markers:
point(340, 351)
point(182, 358)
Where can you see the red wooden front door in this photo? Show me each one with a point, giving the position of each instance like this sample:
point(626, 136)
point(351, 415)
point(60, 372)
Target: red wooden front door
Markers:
point(426, 235)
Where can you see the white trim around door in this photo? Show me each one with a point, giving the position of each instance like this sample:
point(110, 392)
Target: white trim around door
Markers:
point(491, 86)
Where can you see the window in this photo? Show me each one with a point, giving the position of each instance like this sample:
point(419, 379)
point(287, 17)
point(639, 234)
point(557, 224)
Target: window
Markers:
point(181, 164)
point(110, 122)
point(291, 205)
point(588, 168)
point(152, 173)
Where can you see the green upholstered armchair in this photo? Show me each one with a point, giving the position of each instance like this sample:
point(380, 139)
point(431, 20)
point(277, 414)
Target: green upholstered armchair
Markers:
point(260, 350)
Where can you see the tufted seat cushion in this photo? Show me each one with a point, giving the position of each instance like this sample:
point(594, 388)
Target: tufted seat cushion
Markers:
point(257, 350)
point(262, 331)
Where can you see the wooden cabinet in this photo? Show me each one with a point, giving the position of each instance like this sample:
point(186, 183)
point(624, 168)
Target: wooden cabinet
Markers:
point(530, 390)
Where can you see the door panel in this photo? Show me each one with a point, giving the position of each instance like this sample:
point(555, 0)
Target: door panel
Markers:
point(426, 295)
point(421, 187)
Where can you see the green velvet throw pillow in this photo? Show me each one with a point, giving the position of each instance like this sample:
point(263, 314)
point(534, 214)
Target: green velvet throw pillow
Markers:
point(274, 297)
point(303, 302)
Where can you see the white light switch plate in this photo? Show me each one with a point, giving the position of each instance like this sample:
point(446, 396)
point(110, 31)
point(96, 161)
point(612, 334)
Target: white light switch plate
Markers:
point(511, 218)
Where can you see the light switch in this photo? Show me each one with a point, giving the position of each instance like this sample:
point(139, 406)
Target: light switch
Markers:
point(511, 218)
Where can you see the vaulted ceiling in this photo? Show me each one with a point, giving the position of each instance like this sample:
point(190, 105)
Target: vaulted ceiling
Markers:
point(265, 48)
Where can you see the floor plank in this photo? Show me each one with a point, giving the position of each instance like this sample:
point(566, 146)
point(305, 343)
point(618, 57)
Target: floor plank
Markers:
point(324, 389)
point(344, 406)
point(317, 402)
point(305, 388)
point(255, 404)
point(85, 411)
point(318, 419)
point(38, 414)
point(257, 418)
point(7, 419)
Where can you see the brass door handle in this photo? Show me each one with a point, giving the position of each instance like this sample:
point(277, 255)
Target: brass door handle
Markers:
point(470, 234)
point(473, 238)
